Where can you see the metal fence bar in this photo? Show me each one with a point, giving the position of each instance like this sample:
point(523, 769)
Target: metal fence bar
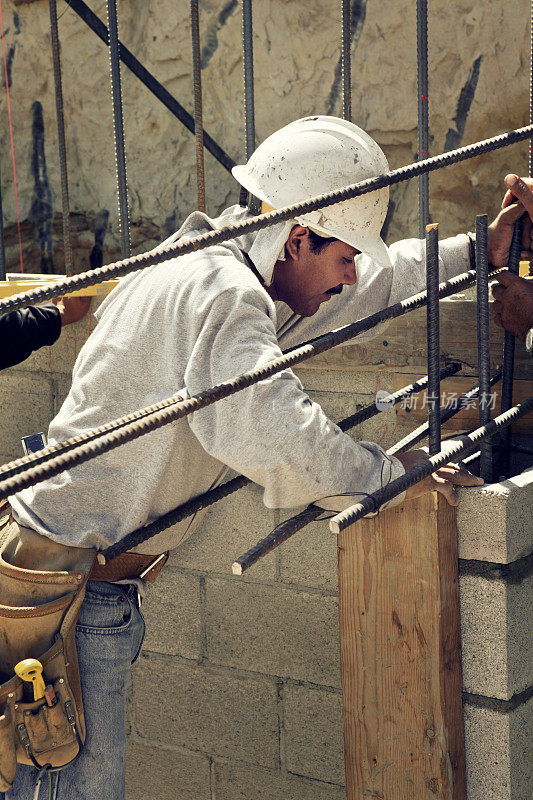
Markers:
point(2, 247)
point(483, 343)
point(198, 115)
point(143, 260)
point(118, 127)
point(423, 123)
point(469, 442)
point(433, 336)
point(56, 60)
point(346, 65)
point(152, 84)
point(508, 356)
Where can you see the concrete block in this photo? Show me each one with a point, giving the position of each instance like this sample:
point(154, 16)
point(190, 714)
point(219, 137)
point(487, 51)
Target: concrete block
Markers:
point(497, 635)
point(233, 782)
point(27, 407)
point(204, 709)
point(172, 612)
point(499, 753)
point(61, 383)
point(273, 630)
point(310, 557)
point(154, 773)
point(494, 521)
point(314, 744)
point(228, 529)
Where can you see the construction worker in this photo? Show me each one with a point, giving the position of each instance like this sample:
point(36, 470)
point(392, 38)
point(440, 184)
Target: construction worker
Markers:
point(22, 332)
point(513, 307)
point(186, 325)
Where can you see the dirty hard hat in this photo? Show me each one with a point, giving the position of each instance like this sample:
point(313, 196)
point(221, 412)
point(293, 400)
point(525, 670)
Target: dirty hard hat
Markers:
point(320, 154)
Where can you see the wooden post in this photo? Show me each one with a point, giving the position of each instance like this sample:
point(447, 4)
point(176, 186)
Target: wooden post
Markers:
point(401, 654)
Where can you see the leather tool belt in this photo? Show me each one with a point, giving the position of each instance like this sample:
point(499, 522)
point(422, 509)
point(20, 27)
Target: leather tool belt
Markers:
point(42, 586)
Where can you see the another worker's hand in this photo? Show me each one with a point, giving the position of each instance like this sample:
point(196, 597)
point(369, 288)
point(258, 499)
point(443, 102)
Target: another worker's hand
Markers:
point(72, 309)
point(518, 199)
point(444, 480)
point(513, 307)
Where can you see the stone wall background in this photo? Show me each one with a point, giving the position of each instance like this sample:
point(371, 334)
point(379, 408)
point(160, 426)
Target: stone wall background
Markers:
point(478, 86)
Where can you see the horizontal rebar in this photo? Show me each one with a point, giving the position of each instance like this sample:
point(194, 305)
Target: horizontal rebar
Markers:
point(122, 430)
point(212, 496)
point(469, 443)
point(290, 526)
point(143, 260)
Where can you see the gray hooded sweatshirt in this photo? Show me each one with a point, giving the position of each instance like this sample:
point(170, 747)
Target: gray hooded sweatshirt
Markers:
point(186, 325)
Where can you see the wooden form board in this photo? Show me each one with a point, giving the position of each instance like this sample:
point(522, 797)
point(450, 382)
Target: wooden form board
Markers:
point(401, 654)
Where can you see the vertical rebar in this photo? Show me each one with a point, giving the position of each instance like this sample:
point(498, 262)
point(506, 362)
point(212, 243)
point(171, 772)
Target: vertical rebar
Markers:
point(249, 105)
point(508, 356)
point(346, 60)
point(433, 337)
point(423, 125)
point(2, 249)
point(56, 60)
point(198, 115)
point(483, 345)
point(118, 127)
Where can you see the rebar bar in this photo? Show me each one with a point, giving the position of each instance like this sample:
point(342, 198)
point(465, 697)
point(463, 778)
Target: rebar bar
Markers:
point(2, 247)
point(143, 260)
point(212, 496)
point(469, 443)
point(483, 341)
point(423, 102)
point(198, 111)
point(508, 355)
point(433, 336)
point(346, 65)
point(118, 129)
point(56, 60)
point(152, 84)
point(249, 101)
point(290, 526)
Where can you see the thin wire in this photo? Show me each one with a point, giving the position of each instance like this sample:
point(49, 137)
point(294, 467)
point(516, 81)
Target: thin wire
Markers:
point(198, 115)
point(2, 248)
point(202, 241)
point(15, 185)
point(56, 59)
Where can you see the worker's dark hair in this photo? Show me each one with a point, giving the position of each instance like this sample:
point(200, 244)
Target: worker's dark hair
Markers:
point(318, 243)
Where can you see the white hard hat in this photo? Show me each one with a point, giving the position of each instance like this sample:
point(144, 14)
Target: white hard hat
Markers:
point(320, 154)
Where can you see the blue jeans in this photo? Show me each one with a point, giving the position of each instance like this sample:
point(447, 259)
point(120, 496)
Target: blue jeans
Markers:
point(109, 636)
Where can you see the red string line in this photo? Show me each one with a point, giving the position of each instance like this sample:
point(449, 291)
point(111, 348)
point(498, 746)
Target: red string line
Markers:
point(11, 137)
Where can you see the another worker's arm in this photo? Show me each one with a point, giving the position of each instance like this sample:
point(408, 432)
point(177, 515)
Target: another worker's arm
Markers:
point(26, 330)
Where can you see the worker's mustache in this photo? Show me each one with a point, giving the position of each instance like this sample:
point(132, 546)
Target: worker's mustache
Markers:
point(335, 289)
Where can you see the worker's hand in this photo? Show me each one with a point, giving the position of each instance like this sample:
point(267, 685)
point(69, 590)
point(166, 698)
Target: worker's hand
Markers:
point(72, 309)
point(513, 307)
point(518, 200)
point(444, 480)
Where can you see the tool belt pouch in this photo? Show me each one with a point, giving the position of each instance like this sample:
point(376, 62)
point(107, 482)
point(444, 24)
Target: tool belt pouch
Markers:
point(38, 613)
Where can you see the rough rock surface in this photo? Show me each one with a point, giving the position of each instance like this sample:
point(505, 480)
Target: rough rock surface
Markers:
point(478, 86)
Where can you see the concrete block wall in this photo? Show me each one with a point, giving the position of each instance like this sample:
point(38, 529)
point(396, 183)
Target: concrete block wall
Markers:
point(236, 695)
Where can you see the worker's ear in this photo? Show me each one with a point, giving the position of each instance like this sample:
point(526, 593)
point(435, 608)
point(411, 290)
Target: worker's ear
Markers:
point(294, 243)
